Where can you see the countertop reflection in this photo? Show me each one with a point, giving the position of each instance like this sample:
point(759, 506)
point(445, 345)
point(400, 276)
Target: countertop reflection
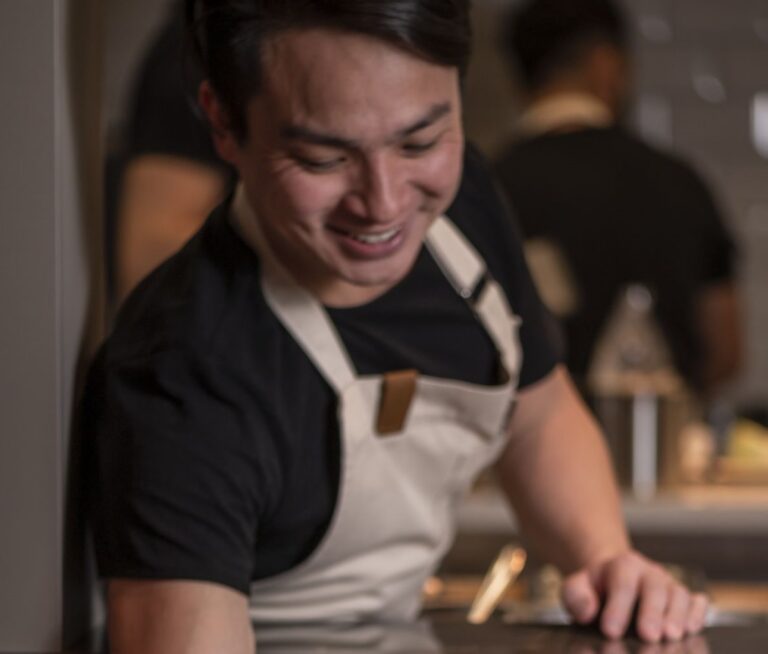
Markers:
point(739, 620)
point(447, 632)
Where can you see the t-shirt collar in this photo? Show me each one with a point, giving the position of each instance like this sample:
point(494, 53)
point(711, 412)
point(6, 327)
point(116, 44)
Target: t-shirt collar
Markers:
point(563, 111)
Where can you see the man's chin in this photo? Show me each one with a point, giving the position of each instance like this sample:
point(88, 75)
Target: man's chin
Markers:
point(381, 274)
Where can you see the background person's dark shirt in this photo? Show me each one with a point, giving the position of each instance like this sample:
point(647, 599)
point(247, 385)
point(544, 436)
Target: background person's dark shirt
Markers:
point(163, 116)
point(621, 212)
point(213, 443)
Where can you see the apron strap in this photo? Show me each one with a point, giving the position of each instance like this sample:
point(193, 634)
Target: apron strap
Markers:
point(458, 260)
point(310, 325)
point(467, 272)
point(297, 309)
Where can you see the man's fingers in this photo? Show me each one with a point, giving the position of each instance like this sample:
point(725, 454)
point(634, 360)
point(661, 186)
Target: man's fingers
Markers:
point(676, 618)
point(654, 600)
point(666, 610)
point(622, 585)
point(579, 597)
point(697, 613)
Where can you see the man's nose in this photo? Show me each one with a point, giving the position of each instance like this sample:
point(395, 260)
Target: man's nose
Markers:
point(382, 193)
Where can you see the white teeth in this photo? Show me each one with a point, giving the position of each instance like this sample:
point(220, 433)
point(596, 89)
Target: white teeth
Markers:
point(375, 238)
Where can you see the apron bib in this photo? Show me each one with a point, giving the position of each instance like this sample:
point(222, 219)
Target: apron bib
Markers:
point(395, 510)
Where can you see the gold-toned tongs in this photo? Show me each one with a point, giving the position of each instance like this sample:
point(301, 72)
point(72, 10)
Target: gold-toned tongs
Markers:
point(501, 575)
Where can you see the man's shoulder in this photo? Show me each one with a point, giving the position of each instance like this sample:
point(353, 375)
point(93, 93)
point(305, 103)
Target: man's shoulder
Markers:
point(636, 145)
point(205, 299)
point(614, 148)
point(520, 149)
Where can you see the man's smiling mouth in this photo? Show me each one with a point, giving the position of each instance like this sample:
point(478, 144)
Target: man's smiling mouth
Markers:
point(368, 238)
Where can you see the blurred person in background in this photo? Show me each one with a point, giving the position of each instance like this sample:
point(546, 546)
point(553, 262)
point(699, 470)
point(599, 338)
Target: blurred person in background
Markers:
point(169, 176)
point(601, 208)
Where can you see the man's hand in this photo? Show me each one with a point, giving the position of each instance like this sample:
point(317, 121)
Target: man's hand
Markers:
point(665, 608)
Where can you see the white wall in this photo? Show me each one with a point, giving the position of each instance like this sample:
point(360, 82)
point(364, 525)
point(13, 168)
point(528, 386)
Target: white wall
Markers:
point(49, 137)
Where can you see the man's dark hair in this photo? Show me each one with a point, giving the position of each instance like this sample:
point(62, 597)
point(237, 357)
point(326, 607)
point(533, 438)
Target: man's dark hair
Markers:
point(228, 35)
point(544, 37)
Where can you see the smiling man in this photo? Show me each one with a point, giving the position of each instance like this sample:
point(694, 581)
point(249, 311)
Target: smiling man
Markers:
point(289, 409)
point(350, 151)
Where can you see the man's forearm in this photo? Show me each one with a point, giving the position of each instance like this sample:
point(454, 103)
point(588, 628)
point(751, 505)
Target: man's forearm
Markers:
point(558, 476)
point(177, 617)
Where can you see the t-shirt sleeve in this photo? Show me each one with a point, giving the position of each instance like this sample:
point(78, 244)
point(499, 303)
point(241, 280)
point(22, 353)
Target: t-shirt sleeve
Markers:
point(177, 486)
point(719, 251)
point(488, 222)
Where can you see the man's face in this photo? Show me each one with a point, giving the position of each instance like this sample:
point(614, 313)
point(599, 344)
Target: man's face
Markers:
point(353, 148)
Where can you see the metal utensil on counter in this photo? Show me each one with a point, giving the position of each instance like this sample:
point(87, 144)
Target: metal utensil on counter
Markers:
point(501, 575)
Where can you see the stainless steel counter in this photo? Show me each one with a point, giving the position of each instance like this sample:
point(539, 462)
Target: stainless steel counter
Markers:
point(449, 633)
point(446, 631)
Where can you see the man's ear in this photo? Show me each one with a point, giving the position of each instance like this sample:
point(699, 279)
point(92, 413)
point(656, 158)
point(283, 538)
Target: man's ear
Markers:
point(224, 140)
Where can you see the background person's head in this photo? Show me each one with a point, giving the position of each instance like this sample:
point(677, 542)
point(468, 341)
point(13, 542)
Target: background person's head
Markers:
point(557, 46)
point(229, 35)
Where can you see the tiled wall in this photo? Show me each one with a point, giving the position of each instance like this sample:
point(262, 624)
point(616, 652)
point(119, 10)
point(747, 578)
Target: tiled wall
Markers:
point(700, 67)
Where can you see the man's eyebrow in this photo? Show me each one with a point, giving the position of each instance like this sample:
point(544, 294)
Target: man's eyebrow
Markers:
point(300, 133)
point(434, 114)
point(308, 135)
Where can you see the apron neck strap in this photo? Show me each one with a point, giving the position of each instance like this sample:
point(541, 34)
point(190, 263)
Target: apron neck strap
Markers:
point(458, 260)
point(467, 272)
point(298, 310)
point(307, 321)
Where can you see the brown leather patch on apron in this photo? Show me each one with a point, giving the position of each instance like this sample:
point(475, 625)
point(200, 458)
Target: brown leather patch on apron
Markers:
point(397, 390)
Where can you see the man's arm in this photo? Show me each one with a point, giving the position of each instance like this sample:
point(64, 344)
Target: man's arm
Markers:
point(177, 617)
point(557, 474)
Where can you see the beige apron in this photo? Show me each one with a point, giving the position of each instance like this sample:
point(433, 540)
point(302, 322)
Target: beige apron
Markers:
point(394, 516)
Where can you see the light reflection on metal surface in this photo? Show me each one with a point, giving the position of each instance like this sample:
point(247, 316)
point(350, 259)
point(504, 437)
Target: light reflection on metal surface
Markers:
point(653, 22)
point(502, 574)
point(653, 117)
point(347, 638)
point(761, 28)
point(760, 123)
point(655, 28)
point(708, 78)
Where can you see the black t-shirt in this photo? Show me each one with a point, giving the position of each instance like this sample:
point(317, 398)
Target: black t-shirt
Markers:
point(621, 212)
point(213, 444)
